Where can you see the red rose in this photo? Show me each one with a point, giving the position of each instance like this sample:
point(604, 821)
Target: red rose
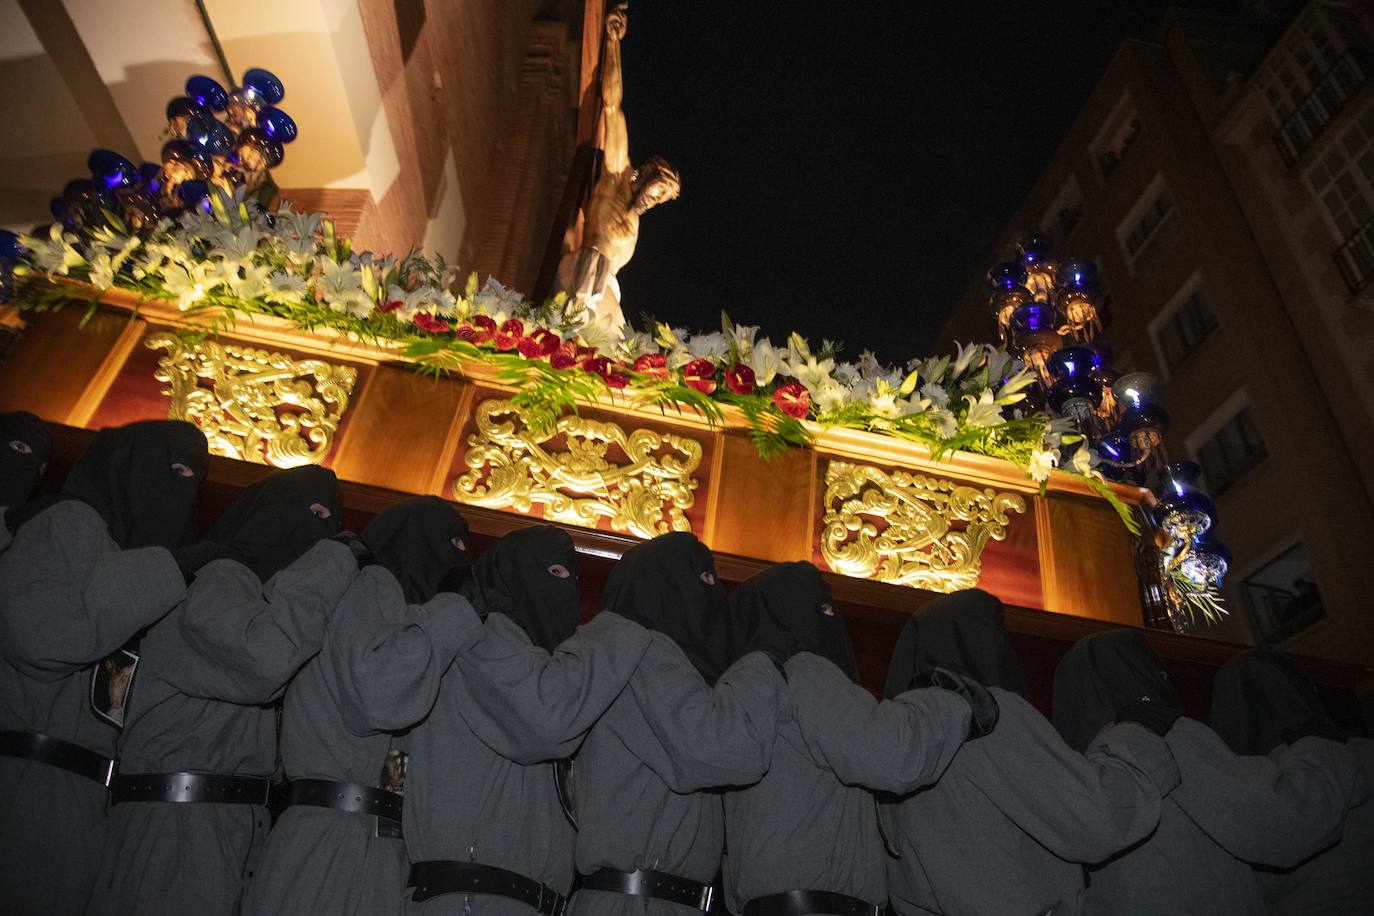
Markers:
point(393, 305)
point(427, 322)
point(565, 357)
point(485, 329)
point(793, 399)
point(654, 365)
point(508, 335)
point(740, 378)
point(701, 375)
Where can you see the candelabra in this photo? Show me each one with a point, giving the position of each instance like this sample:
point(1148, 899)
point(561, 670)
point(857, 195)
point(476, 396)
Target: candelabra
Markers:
point(1049, 313)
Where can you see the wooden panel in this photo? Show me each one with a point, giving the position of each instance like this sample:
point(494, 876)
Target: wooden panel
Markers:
point(763, 508)
point(1094, 573)
point(50, 369)
point(398, 429)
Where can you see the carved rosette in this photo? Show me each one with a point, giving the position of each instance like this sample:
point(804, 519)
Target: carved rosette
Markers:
point(254, 405)
point(909, 529)
point(567, 471)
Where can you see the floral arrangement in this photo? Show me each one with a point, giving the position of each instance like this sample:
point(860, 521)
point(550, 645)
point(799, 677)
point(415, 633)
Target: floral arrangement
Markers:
point(232, 258)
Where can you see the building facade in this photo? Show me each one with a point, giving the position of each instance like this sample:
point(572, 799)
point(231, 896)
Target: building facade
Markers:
point(446, 126)
point(1222, 178)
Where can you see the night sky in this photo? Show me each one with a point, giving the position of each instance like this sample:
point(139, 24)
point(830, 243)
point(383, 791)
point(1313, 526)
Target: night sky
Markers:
point(846, 167)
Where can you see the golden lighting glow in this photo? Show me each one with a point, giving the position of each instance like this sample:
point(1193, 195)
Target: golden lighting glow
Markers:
point(909, 529)
point(571, 472)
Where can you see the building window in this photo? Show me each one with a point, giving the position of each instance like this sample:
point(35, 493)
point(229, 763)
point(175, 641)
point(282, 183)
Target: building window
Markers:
point(1283, 596)
point(1120, 131)
point(1066, 210)
point(1183, 325)
point(1310, 49)
point(1234, 450)
point(1149, 223)
point(1342, 181)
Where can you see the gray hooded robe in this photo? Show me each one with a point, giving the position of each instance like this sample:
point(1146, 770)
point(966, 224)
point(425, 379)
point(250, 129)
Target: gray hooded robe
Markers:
point(200, 704)
point(1226, 811)
point(481, 784)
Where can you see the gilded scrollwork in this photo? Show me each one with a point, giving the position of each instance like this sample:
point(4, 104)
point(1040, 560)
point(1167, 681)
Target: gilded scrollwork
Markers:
point(567, 471)
point(254, 405)
point(909, 529)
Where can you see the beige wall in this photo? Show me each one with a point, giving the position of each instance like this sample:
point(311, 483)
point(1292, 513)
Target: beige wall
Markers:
point(1310, 486)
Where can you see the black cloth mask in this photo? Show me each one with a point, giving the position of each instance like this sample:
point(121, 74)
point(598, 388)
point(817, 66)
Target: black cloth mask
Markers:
point(1261, 698)
point(419, 541)
point(531, 576)
point(142, 478)
point(280, 517)
point(963, 632)
point(669, 584)
point(787, 609)
point(1102, 678)
point(24, 451)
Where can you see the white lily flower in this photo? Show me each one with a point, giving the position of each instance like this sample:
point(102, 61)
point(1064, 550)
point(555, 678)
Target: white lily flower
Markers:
point(743, 339)
point(635, 344)
point(945, 423)
point(711, 345)
point(250, 281)
point(964, 358)
point(186, 287)
point(236, 247)
point(983, 411)
point(603, 333)
point(56, 254)
point(1041, 462)
point(495, 297)
point(1084, 461)
point(802, 364)
point(102, 271)
point(766, 362)
point(285, 289)
point(341, 288)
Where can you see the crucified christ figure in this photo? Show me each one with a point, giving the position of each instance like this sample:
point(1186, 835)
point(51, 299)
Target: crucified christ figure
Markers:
point(620, 194)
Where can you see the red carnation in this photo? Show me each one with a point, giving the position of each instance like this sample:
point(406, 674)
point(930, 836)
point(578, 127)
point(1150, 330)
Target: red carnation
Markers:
point(793, 399)
point(485, 329)
point(654, 365)
point(565, 357)
point(427, 322)
point(701, 375)
point(740, 378)
point(509, 334)
point(546, 341)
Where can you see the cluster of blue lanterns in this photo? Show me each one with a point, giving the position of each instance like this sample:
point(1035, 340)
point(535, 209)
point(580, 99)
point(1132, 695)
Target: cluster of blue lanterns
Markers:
point(1049, 313)
point(216, 137)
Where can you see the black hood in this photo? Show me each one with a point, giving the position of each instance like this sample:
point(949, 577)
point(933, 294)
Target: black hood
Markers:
point(1102, 676)
point(420, 541)
point(962, 632)
point(788, 608)
point(273, 523)
point(143, 479)
point(531, 576)
point(1259, 697)
point(669, 584)
point(24, 451)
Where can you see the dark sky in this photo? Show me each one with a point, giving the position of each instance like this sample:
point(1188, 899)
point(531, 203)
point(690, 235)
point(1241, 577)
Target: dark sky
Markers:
point(846, 166)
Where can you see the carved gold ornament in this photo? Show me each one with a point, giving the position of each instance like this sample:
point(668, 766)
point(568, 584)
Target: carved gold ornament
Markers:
point(909, 529)
point(254, 405)
point(567, 471)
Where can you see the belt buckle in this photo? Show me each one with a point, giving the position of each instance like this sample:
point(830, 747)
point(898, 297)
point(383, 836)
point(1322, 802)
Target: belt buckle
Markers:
point(559, 906)
point(110, 766)
point(708, 893)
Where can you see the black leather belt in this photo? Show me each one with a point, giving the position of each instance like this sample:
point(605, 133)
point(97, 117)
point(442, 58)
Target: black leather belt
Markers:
point(804, 903)
point(351, 797)
point(430, 879)
point(646, 883)
point(200, 788)
point(57, 753)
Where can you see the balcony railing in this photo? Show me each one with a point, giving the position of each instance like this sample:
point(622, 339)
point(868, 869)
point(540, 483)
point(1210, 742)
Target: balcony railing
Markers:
point(1320, 107)
point(1355, 258)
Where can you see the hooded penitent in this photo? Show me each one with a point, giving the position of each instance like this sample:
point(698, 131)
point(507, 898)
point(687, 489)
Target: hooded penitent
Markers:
point(788, 609)
point(669, 584)
point(279, 518)
point(421, 542)
point(531, 576)
point(1261, 699)
point(143, 480)
point(1102, 677)
point(962, 632)
point(24, 450)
